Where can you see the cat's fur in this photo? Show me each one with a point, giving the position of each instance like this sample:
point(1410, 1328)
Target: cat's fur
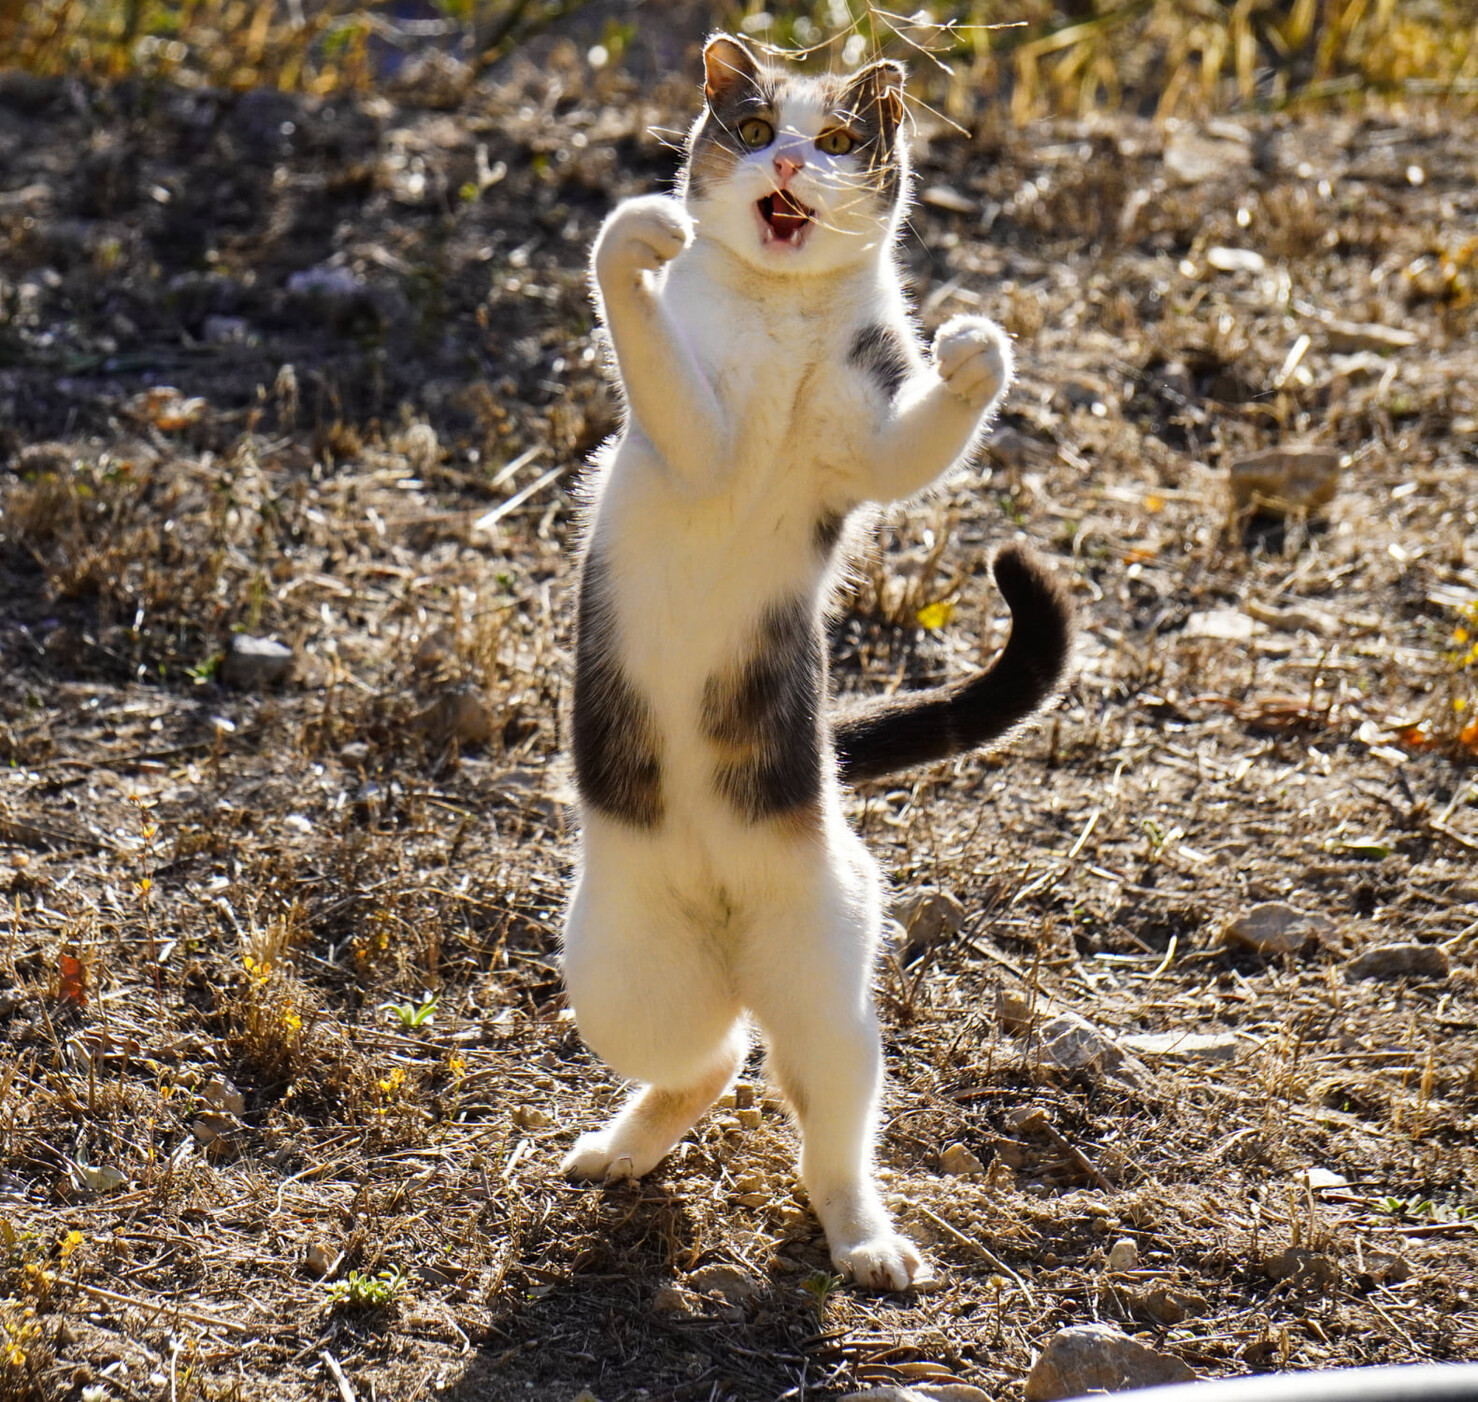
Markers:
point(774, 384)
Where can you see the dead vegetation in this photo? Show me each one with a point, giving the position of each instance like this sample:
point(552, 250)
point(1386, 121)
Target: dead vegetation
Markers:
point(286, 1070)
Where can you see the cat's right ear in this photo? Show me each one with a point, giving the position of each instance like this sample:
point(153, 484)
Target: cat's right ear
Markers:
point(728, 69)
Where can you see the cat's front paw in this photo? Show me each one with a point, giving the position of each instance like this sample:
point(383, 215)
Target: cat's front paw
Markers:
point(972, 355)
point(639, 236)
point(886, 1261)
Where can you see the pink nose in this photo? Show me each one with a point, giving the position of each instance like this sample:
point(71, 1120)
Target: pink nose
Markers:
point(786, 166)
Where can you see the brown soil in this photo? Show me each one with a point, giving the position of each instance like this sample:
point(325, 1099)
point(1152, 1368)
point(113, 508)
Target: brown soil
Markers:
point(211, 883)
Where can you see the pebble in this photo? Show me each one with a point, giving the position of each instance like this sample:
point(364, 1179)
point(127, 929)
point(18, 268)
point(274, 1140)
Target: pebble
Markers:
point(1235, 260)
point(959, 1162)
point(221, 1093)
point(252, 664)
point(1170, 1305)
point(1184, 1046)
point(1399, 960)
point(1282, 479)
point(734, 1284)
point(1098, 1358)
point(928, 917)
point(672, 1299)
point(1194, 156)
point(1276, 928)
point(1072, 1043)
point(461, 715)
point(1123, 1255)
point(1302, 1267)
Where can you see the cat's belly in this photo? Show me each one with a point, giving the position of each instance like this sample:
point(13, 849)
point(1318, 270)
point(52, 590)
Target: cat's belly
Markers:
point(700, 624)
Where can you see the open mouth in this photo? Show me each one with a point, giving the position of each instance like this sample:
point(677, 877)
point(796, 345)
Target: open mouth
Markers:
point(786, 218)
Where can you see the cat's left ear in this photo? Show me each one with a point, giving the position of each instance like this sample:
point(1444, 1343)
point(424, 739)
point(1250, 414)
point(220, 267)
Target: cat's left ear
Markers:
point(729, 69)
point(875, 94)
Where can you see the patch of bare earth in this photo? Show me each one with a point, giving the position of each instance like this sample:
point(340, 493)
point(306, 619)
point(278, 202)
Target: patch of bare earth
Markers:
point(209, 1117)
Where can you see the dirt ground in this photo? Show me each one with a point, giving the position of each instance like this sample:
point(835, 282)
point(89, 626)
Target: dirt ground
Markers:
point(226, 900)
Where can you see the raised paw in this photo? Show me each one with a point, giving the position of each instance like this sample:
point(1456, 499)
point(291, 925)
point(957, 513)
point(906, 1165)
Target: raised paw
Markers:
point(973, 357)
point(639, 236)
point(886, 1261)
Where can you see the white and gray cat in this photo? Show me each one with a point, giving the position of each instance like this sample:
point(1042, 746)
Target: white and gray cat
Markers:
point(774, 385)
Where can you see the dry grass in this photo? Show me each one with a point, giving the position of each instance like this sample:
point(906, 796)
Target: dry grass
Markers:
point(206, 885)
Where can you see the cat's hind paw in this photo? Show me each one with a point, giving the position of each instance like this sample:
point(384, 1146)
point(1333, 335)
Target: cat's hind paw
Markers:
point(597, 1157)
point(973, 358)
point(886, 1261)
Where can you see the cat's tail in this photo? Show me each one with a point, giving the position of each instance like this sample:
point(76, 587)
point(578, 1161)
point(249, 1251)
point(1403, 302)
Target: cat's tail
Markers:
point(914, 728)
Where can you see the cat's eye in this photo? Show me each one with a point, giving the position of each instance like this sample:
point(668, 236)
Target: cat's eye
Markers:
point(756, 132)
point(835, 142)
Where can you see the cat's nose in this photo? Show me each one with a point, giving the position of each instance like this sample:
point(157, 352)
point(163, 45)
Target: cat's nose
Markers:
point(786, 166)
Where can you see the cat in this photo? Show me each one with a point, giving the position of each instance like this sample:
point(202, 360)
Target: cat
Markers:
point(773, 385)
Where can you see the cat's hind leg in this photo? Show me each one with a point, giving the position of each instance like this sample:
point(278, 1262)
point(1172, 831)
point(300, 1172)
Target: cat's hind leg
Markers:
point(648, 1127)
point(807, 979)
point(652, 999)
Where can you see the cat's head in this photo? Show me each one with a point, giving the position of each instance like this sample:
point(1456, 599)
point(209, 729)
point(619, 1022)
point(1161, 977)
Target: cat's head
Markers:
point(794, 173)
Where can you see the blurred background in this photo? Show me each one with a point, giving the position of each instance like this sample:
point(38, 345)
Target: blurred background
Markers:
point(1169, 57)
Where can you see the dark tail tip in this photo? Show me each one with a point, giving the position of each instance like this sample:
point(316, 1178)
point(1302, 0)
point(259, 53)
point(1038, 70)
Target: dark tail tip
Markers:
point(916, 728)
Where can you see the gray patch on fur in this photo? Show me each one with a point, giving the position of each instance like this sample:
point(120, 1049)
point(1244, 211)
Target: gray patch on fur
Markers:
point(878, 352)
point(618, 765)
point(765, 715)
point(828, 531)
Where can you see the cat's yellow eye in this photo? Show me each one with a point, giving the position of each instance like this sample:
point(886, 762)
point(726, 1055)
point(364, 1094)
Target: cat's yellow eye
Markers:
point(835, 142)
point(756, 132)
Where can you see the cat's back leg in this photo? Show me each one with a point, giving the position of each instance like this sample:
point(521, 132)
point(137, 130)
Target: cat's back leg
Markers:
point(651, 998)
point(806, 975)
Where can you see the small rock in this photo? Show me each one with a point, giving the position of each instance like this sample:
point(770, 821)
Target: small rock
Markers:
point(1072, 1043)
point(1235, 260)
point(1351, 337)
point(436, 650)
point(672, 1299)
point(1275, 928)
point(749, 1118)
point(1028, 1119)
point(421, 448)
point(461, 715)
point(1170, 1306)
point(1230, 624)
point(1013, 1011)
point(959, 1162)
point(320, 1259)
point(948, 199)
point(1387, 1267)
point(1123, 1255)
point(1184, 1046)
point(252, 664)
point(734, 1284)
point(1280, 480)
point(928, 917)
point(220, 1093)
point(1302, 1267)
point(216, 1132)
point(1098, 1358)
point(10, 1000)
point(1400, 961)
point(1317, 1178)
point(1192, 156)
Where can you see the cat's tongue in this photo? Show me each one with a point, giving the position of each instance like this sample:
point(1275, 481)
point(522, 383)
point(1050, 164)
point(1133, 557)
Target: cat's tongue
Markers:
point(785, 214)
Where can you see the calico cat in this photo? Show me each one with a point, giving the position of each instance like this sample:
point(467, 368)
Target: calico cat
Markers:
point(774, 385)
